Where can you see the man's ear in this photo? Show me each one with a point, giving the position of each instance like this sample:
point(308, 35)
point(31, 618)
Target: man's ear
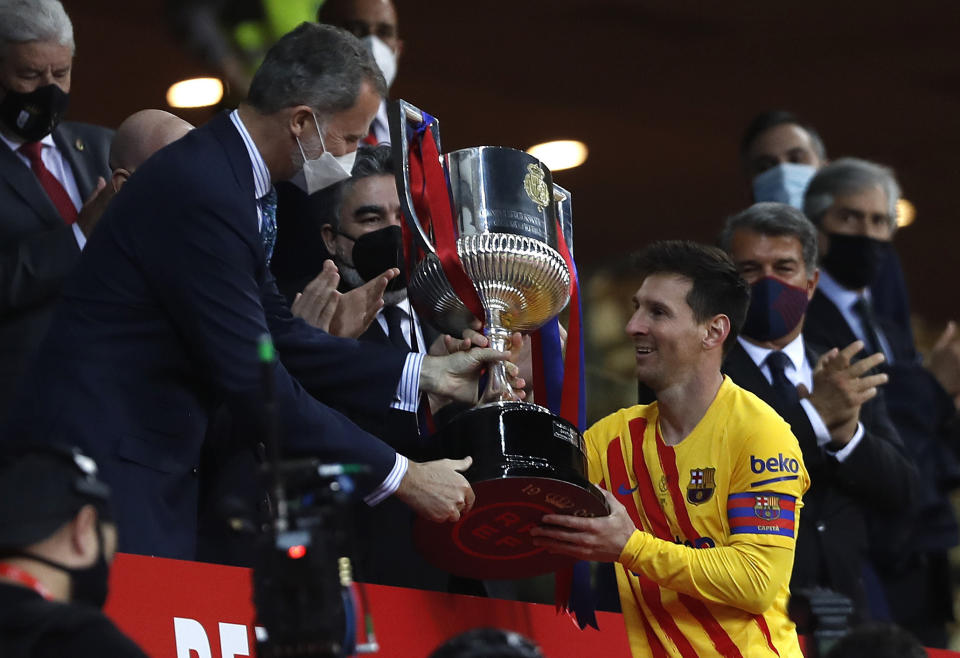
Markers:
point(399, 50)
point(812, 283)
point(329, 236)
point(118, 178)
point(717, 330)
point(83, 533)
point(300, 120)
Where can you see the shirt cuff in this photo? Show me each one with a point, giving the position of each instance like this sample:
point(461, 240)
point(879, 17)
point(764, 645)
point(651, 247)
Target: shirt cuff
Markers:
point(408, 390)
point(848, 449)
point(816, 422)
point(392, 482)
point(78, 234)
point(632, 549)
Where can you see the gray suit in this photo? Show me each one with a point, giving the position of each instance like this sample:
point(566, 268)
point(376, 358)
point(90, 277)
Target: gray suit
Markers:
point(37, 250)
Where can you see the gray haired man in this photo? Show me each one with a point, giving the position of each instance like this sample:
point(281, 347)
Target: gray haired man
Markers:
point(853, 204)
point(161, 322)
point(53, 177)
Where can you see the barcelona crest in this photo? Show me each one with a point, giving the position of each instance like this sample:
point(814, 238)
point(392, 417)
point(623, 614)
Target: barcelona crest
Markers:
point(701, 486)
point(767, 507)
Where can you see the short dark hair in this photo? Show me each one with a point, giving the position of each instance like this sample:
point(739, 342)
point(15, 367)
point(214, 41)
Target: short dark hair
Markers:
point(775, 219)
point(371, 161)
point(772, 118)
point(717, 286)
point(488, 643)
point(42, 487)
point(877, 640)
point(317, 65)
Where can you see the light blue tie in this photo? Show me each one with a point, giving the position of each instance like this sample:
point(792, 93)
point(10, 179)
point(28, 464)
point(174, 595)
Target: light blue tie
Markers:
point(268, 225)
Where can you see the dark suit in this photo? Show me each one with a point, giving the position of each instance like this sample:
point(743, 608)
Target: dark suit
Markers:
point(385, 551)
point(38, 248)
point(876, 479)
point(917, 578)
point(159, 325)
point(300, 251)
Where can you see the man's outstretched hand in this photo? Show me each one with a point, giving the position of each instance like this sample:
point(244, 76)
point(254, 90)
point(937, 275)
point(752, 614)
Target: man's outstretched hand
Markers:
point(346, 314)
point(436, 490)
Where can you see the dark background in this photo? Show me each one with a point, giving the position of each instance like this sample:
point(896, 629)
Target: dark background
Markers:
point(659, 91)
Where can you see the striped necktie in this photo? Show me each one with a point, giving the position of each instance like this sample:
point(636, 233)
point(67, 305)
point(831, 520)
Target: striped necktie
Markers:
point(268, 224)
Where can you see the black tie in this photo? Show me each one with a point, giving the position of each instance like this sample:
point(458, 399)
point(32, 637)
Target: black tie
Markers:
point(394, 327)
point(777, 362)
point(871, 331)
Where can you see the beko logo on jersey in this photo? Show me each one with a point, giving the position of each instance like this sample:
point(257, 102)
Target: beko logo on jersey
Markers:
point(778, 464)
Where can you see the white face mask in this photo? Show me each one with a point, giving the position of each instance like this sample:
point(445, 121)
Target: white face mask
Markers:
point(324, 171)
point(385, 58)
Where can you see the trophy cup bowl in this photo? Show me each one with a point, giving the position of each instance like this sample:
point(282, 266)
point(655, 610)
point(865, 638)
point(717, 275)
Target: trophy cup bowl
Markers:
point(527, 462)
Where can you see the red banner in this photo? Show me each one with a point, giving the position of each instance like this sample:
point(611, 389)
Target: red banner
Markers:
point(195, 610)
point(182, 609)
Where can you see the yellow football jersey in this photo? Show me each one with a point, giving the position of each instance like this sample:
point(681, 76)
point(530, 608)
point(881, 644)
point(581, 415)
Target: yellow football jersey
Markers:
point(708, 571)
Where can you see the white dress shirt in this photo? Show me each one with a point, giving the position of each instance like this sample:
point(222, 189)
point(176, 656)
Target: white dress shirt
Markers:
point(406, 316)
point(799, 371)
point(845, 299)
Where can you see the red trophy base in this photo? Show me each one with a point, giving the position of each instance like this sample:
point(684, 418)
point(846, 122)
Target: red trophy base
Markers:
point(527, 463)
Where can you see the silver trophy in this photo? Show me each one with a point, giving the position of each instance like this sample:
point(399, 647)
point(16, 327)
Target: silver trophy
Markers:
point(527, 461)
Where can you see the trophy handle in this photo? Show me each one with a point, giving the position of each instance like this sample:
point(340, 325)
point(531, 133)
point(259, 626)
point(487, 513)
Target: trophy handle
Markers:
point(561, 197)
point(404, 118)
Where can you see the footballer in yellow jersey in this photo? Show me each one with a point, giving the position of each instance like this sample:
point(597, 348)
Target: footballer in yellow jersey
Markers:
point(703, 486)
point(708, 572)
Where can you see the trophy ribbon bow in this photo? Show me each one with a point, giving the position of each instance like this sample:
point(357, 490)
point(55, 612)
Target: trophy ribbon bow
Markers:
point(431, 199)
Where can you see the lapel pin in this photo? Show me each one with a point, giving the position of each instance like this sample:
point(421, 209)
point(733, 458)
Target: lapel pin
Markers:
point(79, 144)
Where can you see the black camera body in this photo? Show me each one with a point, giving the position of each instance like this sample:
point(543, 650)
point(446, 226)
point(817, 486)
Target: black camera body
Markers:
point(302, 579)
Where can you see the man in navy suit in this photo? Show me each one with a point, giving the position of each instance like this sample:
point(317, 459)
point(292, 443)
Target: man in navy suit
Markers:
point(858, 470)
point(47, 170)
point(359, 222)
point(160, 322)
point(853, 204)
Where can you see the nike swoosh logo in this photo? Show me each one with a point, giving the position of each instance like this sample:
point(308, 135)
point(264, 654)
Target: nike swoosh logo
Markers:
point(623, 491)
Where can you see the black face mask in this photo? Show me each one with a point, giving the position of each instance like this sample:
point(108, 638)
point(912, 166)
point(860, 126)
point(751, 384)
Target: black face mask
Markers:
point(377, 251)
point(855, 260)
point(32, 116)
point(88, 585)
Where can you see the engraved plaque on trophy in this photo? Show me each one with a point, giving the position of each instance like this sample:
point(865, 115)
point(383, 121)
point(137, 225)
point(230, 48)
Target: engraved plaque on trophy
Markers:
point(527, 461)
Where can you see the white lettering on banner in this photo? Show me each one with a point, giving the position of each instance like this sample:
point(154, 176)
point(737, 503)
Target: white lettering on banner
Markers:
point(233, 640)
point(190, 637)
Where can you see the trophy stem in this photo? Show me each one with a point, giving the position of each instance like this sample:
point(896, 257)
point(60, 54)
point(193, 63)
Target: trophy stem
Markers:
point(498, 386)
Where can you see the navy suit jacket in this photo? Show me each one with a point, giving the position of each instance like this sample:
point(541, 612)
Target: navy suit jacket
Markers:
point(159, 325)
point(37, 249)
point(921, 411)
point(876, 480)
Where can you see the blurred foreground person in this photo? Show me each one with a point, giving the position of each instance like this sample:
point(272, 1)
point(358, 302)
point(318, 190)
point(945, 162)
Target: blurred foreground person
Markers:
point(57, 540)
point(487, 643)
